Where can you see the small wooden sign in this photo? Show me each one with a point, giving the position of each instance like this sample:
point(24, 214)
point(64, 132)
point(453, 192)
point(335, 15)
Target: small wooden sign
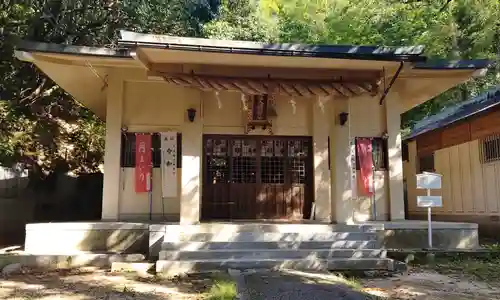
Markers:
point(429, 181)
point(429, 201)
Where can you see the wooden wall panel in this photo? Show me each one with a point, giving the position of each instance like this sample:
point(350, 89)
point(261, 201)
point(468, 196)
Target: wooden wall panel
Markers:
point(459, 133)
point(496, 181)
point(456, 179)
point(455, 135)
point(429, 142)
point(478, 203)
point(443, 167)
point(440, 158)
point(485, 125)
point(466, 179)
point(490, 187)
point(469, 186)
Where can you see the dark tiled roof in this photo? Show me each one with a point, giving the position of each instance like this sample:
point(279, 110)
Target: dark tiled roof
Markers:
point(410, 53)
point(461, 111)
point(441, 64)
point(30, 46)
point(129, 40)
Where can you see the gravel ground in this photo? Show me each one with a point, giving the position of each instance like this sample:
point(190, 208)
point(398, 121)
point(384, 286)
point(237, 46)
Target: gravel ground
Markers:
point(418, 285)
point(87, 284)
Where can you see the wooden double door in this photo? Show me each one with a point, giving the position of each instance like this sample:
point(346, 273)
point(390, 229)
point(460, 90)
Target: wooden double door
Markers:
point(257, 177)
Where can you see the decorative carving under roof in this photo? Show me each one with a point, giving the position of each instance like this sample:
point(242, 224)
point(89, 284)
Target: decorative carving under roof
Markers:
point(259, 110)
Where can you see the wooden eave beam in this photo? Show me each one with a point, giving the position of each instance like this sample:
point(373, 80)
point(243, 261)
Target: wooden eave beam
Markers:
point(291, 87)
point(261, 72)
point(142, 58)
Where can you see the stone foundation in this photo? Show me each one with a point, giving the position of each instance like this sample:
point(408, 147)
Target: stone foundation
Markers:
point(489, 225)
point(146, 239)
point(96, 237)
point(413, 234)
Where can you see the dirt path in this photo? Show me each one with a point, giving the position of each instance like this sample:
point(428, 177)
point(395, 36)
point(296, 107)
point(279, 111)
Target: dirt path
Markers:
point(421, 285)
point(87, 284)
point(429, 285)
point(96, 284)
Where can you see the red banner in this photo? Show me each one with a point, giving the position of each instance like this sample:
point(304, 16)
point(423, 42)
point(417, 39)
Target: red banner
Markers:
point(143, 163)
point(364, 151)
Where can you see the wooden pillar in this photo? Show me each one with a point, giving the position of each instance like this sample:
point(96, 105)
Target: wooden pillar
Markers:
point(396, 186)
point(322, 182)
point(112, 171)
point(191, 178)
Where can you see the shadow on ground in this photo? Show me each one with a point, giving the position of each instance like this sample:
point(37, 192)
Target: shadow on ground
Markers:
point(299, 286)
point(98, 284)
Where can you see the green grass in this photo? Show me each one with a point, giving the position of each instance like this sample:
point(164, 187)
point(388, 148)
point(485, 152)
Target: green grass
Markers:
point(483, 267)
point(348, 279)
point(478, 268)
point(222, 289)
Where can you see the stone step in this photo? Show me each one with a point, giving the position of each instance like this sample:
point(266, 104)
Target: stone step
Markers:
point(193, 246)
point(234, 227)
point(272, 254)
point(176, 267)
point(272, 237)
point(54, 261)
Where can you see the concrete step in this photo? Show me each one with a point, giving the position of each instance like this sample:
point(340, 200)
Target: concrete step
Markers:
point(234, 227)
point(54, 261)
point(193, 246)
point(273, 237)
point(272, 254)
point(175, 267)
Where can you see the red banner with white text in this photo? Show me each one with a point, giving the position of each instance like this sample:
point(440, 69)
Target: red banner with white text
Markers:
point(364, 151)
point(143, 163)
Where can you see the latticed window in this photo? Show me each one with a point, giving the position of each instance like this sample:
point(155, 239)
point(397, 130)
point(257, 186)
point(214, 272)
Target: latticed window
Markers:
point(297, 154)
point(217, 160)
point(379, 154)
point(490, 148)
point(273, 161)
point(405, 151)
point(426, 163)
point(244, 161)
point(127, 155)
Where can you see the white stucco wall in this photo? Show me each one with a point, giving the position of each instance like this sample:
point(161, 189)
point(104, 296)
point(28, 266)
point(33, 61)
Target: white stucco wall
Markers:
point(366, 119)
point(155, 106)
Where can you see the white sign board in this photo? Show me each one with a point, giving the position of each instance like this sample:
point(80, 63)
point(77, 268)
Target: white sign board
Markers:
point(352, 167)
point(429, 180)
point(429, 201)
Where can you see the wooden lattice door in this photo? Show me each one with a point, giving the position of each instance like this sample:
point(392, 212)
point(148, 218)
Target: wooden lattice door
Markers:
point(257, 177)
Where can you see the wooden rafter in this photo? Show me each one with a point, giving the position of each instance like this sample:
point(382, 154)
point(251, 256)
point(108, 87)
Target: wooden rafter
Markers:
point(289, 87)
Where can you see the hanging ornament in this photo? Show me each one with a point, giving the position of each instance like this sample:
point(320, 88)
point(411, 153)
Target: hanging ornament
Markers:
point(219, 103)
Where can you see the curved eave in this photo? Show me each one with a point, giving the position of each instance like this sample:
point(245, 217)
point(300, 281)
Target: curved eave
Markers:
point(355, 52)
point(40, 47)
point(82, 71)
point(443, 65)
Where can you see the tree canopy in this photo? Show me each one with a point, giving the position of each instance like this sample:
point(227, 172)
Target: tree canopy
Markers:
point(44, 128)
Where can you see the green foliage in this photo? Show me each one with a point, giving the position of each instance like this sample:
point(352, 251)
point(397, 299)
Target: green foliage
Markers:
point(482, 268)
point(43, 127)
point(240, 20)
point(174, 17)
point(222, 290)
point(458, 29)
